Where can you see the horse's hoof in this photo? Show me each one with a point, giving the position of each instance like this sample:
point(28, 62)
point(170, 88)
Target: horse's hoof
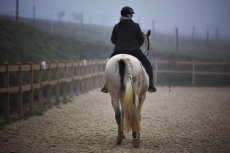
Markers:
point(119, 140)
point(136, 142)
point(118, 143)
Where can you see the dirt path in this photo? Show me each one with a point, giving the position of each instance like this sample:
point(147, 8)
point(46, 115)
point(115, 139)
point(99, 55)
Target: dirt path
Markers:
point(184, 120)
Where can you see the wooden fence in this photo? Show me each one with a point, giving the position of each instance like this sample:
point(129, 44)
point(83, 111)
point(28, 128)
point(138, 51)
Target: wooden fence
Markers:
point(85, 75)
point(193, 70)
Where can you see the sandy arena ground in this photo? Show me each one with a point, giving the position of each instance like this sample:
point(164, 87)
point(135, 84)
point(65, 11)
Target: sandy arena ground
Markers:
point(185, 120)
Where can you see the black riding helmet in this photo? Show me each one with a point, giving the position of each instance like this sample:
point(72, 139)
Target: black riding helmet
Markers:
point(126, 10)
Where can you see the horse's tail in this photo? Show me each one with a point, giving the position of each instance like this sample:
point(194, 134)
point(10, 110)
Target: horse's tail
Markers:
point(131, 119)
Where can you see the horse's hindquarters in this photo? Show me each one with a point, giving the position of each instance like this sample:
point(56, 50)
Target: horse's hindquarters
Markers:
point(125, 79)
point(113, 79)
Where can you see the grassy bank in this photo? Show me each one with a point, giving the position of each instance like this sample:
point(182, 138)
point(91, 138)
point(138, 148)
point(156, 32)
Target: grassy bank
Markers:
point(23, 43)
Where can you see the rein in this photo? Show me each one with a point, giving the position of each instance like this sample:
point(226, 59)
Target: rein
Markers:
point(148, 45)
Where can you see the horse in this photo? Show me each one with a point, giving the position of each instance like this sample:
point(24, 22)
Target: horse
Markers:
point(127, 83)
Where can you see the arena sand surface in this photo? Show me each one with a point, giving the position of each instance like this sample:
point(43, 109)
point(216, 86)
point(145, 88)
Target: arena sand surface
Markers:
point(187, 119)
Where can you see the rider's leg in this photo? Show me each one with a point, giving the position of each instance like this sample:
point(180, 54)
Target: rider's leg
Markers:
point(144, 60)
point(149, 71)
point(104, 89)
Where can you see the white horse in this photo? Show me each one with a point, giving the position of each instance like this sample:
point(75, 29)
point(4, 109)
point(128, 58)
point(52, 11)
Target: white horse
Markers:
point(127, 83)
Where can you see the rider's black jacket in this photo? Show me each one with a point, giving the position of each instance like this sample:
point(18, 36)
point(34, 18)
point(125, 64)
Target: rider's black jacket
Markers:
point(127, 36)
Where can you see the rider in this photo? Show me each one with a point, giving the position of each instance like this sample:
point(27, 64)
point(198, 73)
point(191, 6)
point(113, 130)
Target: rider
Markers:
point(128, 38)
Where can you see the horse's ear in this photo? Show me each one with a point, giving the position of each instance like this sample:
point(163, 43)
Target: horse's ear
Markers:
point(148, 33)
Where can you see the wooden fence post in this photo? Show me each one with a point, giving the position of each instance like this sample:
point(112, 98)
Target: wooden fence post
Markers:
point(217, 33)
point(19, 94)
point(101, 69)
point(88, 79)
point(17, 8)
point(57, 79)
point(31, 92)
point(78, 72)
point(96, 72)
point(65, 83)
point(71, 76)
point(86, 65)
point(40, 90)
point(83, 78)
point(91, 74)
point(193, 72)
point(193, 33)
point(48, 78)
point(153, 30)
point(177, 41)
point(7, 94)
point(155, 71)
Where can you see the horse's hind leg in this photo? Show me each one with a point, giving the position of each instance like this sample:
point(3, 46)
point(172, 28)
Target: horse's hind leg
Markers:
point(136, 135)
point(139, 107)
point(122, 119)
point(136, 139)
point(116, 107)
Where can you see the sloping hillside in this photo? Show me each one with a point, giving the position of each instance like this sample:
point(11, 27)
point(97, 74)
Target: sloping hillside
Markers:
point(24, 43)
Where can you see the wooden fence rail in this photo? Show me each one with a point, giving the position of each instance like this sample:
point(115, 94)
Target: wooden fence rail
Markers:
point(86, 74)
point(193, 71)
point(83, 75)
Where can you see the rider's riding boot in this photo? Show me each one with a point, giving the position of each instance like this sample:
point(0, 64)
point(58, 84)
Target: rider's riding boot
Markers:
point(104, 89)
point(152, 88)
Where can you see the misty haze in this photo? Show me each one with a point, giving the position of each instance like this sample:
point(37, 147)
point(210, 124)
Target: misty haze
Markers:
point(164, 15)
point(54, 59)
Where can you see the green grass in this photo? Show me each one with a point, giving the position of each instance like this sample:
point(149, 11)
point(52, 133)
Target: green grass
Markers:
point(66, 43)
point(23, 43)
point(216, 50)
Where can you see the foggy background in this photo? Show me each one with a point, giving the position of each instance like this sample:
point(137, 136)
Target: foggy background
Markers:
point(164, 15)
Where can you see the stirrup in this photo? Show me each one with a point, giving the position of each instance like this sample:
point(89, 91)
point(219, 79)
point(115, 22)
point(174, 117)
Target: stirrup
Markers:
point(152, 88)
point(104, 89)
